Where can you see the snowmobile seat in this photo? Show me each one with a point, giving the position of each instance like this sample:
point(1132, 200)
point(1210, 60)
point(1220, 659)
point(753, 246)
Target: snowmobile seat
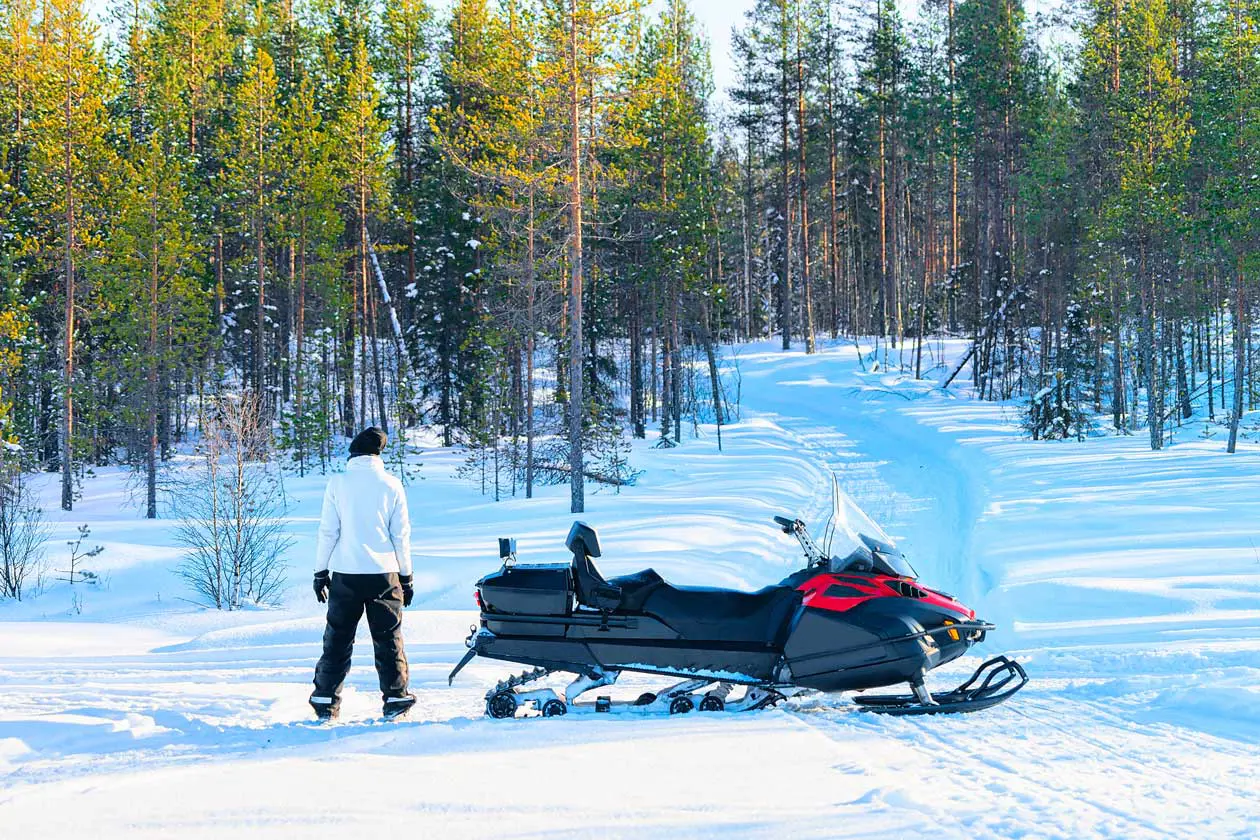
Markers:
point(636, 588)
point(708, 614)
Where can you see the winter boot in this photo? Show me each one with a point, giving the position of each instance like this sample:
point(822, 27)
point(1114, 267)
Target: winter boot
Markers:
point(397, 706)
point(326, 708)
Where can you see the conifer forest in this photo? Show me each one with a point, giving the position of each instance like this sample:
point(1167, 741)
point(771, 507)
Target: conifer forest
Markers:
point(538, 228)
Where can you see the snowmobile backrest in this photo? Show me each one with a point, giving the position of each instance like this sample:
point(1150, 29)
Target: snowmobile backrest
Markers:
point(582, 539)
point(589, 585)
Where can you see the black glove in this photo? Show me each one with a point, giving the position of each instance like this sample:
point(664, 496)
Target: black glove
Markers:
point(409, 591)
point(321, 586)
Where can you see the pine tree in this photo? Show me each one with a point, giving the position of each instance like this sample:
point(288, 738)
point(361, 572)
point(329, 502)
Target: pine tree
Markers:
point(667, 176)
point(159, 320)
point(252, 178)
point(406, 32)
point(1228, 142)
point(71, 166)
point(312, 225)
point(22, 76)
point(1141, 220)
point(584, 45)
point(491, 134)
point(358, 133)
point(994, 79)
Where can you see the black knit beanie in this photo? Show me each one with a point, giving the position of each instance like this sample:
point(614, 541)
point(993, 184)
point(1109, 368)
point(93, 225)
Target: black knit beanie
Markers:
point(370, 441)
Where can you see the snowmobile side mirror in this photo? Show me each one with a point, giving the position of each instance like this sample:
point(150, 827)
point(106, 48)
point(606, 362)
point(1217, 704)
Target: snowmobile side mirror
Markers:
point(507, 549)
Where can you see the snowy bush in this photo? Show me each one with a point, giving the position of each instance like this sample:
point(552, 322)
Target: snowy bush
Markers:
point(23, 531)
point(230, 510)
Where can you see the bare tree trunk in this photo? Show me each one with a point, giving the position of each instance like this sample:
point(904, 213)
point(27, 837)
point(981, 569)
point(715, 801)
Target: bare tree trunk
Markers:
point(1154, 390)
point(361, 296)
point(377, 371)
point(1184, 387)
point(714, 381)
point(667, 386)
point(952, 261)
point(1117, 385)
point(218, 290)
point(746, 289)
point(150, 459)
point(67, 383)
point(656, 329)
point(676, 365)
point(529, 350)
point(929, 260)
point(833, 228)
point(284, 377)
point(299, 326)
point(785, 284)
point(803, 188)
point(1207, 352)
point(577, 502)
point(636, 365)
point(260, 258)
point(885, 271)
point(408, 164)
point(347, 372)
point(1240, 361)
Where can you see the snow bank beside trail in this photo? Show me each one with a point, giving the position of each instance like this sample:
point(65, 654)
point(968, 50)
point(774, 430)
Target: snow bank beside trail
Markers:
point(11, 749)
point(49, 640)
point(293, 631)
point(1227, 712)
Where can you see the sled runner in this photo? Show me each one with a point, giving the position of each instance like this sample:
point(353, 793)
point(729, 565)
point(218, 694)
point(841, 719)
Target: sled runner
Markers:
point(846, 622)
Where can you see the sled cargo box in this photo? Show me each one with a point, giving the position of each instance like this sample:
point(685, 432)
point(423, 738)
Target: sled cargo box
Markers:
point(528, 590)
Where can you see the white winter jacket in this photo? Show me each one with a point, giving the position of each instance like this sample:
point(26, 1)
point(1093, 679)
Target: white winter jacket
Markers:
point(364, 528)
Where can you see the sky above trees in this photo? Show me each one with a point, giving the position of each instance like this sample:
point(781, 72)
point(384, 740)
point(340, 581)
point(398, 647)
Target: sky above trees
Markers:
point(716, 18)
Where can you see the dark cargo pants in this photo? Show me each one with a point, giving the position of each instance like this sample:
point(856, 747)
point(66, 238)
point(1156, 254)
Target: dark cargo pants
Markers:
point(349, 597)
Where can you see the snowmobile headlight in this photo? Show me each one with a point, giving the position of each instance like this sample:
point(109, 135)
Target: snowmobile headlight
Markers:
point(953, 634)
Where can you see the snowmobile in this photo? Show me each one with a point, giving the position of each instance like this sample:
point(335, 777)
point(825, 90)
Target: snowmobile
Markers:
point(845, 622)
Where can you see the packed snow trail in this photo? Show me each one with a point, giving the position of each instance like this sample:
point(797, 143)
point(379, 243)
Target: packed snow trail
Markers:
point(1127, 580)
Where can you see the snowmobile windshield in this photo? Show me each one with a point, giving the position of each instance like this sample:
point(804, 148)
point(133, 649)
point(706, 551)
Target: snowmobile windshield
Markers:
point(854, 540)
point(894, 563)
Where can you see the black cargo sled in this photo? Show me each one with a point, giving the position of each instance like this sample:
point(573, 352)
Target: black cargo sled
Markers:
point(848, 623)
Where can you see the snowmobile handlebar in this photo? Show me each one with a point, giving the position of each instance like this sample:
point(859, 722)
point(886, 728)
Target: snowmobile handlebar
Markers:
point(788, 525)
point(796, 528)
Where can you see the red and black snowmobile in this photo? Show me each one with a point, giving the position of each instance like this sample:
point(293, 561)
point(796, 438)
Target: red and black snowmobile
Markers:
point(843, 623)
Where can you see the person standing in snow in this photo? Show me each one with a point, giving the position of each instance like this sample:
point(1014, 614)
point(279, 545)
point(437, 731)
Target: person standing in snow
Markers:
point(363, 565)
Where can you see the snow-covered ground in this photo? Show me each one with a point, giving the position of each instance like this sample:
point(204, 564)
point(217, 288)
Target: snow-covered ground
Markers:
point(1127, 581)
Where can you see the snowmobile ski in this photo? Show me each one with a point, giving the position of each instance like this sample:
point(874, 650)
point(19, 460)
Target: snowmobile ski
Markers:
point(993, 677)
